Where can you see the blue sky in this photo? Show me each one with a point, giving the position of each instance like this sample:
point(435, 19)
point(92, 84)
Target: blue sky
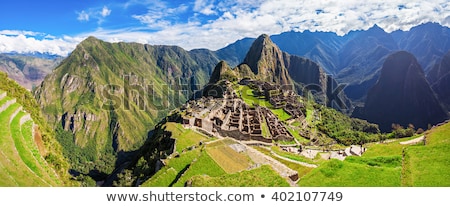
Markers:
point(57, 26)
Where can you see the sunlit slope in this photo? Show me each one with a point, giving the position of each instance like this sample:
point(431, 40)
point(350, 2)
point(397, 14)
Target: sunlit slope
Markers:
point(21, 163)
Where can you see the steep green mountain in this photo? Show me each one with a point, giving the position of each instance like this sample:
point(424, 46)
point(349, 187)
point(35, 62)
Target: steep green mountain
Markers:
point(269, 63)
point(266, 61)
point(30, 156)
point(27, 70)
point(402, 96)
point(105, 98)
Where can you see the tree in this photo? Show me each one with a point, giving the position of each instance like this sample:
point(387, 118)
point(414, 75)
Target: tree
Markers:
point(124, 179)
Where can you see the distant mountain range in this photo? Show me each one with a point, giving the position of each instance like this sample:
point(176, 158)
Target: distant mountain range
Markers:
point(28, 69)
point(356, 58)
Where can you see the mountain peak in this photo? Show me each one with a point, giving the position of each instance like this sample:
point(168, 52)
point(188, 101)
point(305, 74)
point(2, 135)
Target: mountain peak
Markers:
point(404, 94)
point(266, 60)
point(219, 71)
point(90, 40)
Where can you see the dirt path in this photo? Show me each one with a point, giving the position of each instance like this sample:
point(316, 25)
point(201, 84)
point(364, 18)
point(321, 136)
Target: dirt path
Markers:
point(295, 161)
point(280, 168)
point(414, 141)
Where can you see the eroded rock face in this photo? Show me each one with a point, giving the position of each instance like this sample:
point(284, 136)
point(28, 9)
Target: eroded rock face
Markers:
point(265, 59)
point(402, 95)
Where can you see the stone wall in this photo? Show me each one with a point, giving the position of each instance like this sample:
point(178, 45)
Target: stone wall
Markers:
point(25, 118)
point(7, 104)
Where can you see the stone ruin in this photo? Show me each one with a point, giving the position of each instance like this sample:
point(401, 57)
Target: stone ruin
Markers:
point(278, 96)
point(230, 116)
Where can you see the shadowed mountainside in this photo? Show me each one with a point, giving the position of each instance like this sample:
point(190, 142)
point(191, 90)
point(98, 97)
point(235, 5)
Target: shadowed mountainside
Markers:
point(402, 96)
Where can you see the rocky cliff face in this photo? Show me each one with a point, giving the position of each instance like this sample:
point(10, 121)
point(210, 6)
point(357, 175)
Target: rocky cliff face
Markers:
point(401, 95)
point(265, 59)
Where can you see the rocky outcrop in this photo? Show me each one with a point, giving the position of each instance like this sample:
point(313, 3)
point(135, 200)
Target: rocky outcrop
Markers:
point(265, 59)
point(219, 71)
point(270, 64)
point(402, 95)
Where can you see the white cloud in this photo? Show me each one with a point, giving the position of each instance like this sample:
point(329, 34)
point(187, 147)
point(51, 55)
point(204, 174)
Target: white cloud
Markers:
point(83, 16)
point(250, 18)
point(160, 16)
point(98, 14)
point(205, 7)
point(236, 19)
point(22, 42)
point(105, 11)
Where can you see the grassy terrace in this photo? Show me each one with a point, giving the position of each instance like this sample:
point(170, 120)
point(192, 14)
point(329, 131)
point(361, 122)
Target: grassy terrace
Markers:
point(390, 164)
point(263, 176)
point(246, 93)
point(281, 114)
point(204, 165)
point(297, 136)
point(264, 128)
point(429, 165)
point(347, 173)
point(185, 137)
point(20, 161)
point(301, 170)
point(167, 176)
point(227, 158)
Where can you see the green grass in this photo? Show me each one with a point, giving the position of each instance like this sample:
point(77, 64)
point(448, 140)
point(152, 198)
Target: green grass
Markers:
point(32, 147)
point(17, 161)
point(297, 136)
point(249, 98)
point(228, 159)
point(292, 156)
point(185, 137)
point(281, 114)
point(4, 100)
point(386, 149)
point(309, 115)
point(167, 175)
point(383, 149)
point(264, 128)
point(296, 124)
point(204, 165)
point(24, 153)
point(336, 173)
point(263, 176)
point(429, 165)
point(301, 170)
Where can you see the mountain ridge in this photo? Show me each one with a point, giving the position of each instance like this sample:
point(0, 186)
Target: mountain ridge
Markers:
point(105, 98)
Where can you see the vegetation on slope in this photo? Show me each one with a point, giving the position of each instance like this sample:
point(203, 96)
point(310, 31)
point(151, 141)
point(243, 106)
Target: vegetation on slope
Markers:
point(263, 176)
point(52, 152)
point(105, 98)
point(429, 165)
